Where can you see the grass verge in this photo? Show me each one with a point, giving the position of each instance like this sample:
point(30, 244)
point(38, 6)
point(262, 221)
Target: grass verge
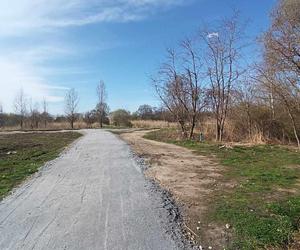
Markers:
point(22, 154)
point(263, 208)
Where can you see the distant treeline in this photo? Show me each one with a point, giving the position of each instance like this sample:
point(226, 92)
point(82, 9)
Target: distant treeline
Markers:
point(34, 119)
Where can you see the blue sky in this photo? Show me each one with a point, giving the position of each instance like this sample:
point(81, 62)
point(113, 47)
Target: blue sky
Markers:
point(47, 47)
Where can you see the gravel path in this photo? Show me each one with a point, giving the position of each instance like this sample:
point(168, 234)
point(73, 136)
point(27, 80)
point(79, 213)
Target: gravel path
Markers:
point(94, 196)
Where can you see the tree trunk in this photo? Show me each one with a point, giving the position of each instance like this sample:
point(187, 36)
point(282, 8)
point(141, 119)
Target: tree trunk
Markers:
point(283, 136)
point(249, 122)
point(294, 126)
point(192, 127)
point(293, 122)
point(101, 122)
point(218, 132)
point(21, 123)
point(221, 132)
point(183, 129)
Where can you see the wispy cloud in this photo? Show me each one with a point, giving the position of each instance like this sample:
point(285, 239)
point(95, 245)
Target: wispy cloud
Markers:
point(16, 75)
point(37, 54)
point(22, 67)
point(28, 46)
point(17, 16)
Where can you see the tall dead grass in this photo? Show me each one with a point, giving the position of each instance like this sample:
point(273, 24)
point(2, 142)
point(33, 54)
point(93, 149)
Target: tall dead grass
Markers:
point(233, 133)
point(151, 124)
point(66, 125)
point(53, 126)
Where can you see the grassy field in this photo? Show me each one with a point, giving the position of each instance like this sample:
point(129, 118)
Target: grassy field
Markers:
point(263, 208)
point(22, 154)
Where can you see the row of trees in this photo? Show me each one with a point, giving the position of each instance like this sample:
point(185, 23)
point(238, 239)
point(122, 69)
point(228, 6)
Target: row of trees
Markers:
point(279, 72)
point(29, 114)
point(36, 115)
point(147, 112)
point(201, 75)
point(207, 75)
point(99, 114)
point(25, 109)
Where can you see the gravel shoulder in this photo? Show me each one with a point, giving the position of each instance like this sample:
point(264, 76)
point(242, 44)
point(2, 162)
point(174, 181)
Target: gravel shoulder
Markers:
point(94, 196)
point(192, 179)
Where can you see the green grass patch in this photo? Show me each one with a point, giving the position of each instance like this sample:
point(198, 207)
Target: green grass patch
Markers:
point(22, 154)
point(261, 214)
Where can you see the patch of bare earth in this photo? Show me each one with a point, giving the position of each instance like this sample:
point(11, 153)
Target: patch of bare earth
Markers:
point(193, 180)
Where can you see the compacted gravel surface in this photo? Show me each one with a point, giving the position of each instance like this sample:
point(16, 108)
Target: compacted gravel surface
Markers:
point(94, 196)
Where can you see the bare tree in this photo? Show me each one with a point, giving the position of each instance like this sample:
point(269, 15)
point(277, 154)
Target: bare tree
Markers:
point(90, 117)
point(1, 115)
point(179, 86)
point(45, 114)
point(195, 87)
point(281, 67)
point(169, 86)
point(71, 105)
point(223, 46)
point(282, 95)
point(267, 102)
point(20, 104)
point(145, 112)
point(34, 114)
point(102, 107)
point(246, 98)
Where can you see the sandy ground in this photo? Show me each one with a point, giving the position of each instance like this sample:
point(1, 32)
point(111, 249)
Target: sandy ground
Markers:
point(191, 178)
point(94, 196)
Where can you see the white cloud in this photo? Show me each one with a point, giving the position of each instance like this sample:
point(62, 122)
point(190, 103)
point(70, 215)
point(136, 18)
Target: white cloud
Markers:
point(37, 54)
point(17, 16)
point(26, 45)
point(23, 68)
point(212, 35)
point(16, 75)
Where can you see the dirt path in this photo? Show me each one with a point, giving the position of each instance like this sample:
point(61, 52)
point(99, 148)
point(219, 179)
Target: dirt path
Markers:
point(191, 178)
point(94, 196)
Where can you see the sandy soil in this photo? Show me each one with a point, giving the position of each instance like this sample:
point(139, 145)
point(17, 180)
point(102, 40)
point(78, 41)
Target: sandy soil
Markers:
point(191, 178)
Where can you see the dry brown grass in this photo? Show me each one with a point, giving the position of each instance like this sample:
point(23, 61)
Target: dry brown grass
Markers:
point(54, 126)
point(208, 128)
point(257, 138)
point(66, 125)
point(12, 128)
point(232, 132)
point(149, 124)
